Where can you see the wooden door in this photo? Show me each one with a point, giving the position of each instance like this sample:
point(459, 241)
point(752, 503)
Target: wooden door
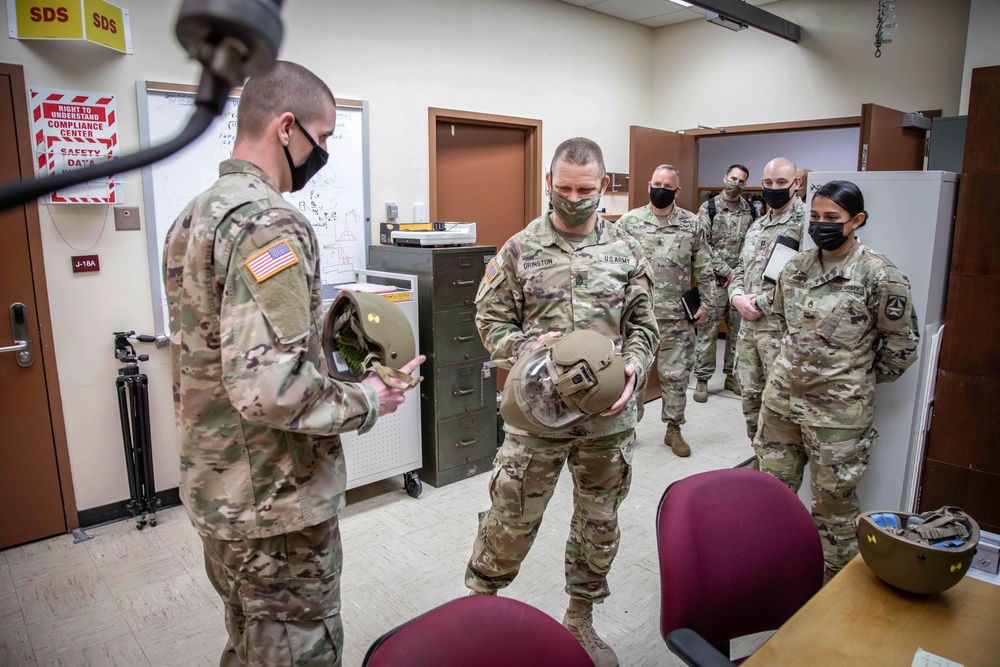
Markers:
point(886, 145)
point(647, 149)
point(33, 506)
point(480, 178)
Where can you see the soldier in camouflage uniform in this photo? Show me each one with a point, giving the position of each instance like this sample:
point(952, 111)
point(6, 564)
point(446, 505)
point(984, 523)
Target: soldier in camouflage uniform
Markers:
point(724, 233)
point(760, 337)
point(569, 269)
point(849, 324)
point(262, 468)
point(675, 246)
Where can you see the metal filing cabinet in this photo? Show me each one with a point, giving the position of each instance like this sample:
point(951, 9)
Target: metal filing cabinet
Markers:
point(458, 395)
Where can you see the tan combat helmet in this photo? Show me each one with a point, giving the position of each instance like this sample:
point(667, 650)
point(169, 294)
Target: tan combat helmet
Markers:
point(919, 553)
point(562, 383)
point(366, 333)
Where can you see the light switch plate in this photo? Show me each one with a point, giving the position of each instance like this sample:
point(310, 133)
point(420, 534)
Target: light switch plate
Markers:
point(127, 218)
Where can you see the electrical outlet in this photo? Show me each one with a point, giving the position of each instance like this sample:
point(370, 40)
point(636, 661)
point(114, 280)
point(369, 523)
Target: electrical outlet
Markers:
point(127, 218)
point(391, 211)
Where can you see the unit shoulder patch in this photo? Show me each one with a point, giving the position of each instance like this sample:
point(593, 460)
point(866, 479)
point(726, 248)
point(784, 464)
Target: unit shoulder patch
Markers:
point(895, 306)
point(271, 260)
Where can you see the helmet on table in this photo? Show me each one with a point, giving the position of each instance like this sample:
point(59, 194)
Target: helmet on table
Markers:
point(365, 333)
point(562, 383)
point(919, 553)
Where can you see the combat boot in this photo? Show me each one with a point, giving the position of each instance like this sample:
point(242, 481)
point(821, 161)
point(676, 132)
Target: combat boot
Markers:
point(675, 441)
point(701, 391)
point(579, 620)
point(733, 385)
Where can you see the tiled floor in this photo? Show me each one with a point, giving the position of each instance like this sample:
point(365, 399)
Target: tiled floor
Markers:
point(141, 598)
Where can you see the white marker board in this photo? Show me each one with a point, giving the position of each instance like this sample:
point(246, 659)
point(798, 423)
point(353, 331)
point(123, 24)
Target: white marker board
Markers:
point(335, 201)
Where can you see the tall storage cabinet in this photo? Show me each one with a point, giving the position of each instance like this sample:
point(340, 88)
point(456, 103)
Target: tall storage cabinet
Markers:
point(458, 395)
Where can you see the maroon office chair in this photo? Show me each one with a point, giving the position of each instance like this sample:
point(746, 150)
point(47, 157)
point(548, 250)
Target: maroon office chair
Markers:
point(482, 630)
point(739, 554)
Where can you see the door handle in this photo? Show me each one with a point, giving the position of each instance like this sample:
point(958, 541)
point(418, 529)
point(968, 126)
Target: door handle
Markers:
point(462, 339)
point(22, 336)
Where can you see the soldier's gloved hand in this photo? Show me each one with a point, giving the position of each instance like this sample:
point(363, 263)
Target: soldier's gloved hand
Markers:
point(700, 317)
point(626, 392)
point(744, 304)
point(390, 398)
point(544, 338)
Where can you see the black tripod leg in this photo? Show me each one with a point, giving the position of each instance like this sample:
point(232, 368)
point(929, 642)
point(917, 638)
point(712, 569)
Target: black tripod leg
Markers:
point(149, 485)
point(125, 414)
point(137, 449)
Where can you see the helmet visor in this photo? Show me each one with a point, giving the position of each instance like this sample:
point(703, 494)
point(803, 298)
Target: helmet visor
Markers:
point(538, 394)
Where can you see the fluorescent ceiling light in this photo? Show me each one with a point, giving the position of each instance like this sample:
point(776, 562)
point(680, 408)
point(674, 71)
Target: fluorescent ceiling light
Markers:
point(681, 3)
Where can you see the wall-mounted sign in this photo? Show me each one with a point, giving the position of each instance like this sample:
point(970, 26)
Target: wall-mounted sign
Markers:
point(85, 263)
point(93, 20)
point(72, 130)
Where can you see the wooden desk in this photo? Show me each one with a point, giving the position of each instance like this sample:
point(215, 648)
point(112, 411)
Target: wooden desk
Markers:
point(857, 619)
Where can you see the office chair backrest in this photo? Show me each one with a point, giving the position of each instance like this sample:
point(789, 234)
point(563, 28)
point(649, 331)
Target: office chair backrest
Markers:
point(485, 631)
point(739, 554)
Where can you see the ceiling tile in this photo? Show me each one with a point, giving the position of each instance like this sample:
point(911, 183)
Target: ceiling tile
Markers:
point(636, 10)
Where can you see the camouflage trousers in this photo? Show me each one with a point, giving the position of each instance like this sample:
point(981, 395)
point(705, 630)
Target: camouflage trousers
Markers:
point(524, 478)
point(708, 335)
point(673, 366)
point(837, 457)
point(756, 351)
point(282, 596)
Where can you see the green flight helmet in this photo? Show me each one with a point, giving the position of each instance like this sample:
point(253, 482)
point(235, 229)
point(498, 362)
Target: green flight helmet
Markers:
point(918, 553)
point(365, 333)
point(562, 383)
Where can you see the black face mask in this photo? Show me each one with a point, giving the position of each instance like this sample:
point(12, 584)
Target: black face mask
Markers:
point(827, 235)
point(661, 197)
point(777, 198)
point(313, 163)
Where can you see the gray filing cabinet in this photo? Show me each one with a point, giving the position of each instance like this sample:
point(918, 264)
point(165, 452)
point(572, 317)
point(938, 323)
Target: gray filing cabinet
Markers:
point(458, 395)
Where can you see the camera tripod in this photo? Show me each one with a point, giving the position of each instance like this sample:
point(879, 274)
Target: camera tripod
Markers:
point(133, 408)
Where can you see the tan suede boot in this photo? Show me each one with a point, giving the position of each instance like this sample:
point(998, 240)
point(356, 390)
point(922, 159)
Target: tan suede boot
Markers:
point(675, 441)
point(733, 385)
point(579, 620)
point(701, 391)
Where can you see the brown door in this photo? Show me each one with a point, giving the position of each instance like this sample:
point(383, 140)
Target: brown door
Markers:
point(480, 178)
point(886, 145)
point(485, 169)
point(32, 505)
point(647, 149)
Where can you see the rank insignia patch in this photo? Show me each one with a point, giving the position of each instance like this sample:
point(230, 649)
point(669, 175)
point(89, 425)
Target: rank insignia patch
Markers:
point(895, 306)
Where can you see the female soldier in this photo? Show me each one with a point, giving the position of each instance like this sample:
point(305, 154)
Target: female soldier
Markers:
point(849, 324)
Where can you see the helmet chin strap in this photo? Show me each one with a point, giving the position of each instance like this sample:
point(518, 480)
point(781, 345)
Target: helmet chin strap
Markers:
point(396, 378)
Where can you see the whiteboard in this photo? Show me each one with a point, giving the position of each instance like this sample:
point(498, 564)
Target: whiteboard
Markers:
point(335, 201)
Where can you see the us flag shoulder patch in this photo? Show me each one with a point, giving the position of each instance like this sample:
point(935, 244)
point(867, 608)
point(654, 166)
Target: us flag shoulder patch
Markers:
point(271, 260)
point(492, 270)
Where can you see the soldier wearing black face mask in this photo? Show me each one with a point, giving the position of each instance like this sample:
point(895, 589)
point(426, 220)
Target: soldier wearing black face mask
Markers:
point(676, 248)
point(760, 337)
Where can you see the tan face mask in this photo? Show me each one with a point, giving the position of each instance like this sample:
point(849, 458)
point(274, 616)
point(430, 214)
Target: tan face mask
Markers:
point(732, 187)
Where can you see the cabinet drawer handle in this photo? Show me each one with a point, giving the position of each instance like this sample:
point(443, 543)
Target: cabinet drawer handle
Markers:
point(463, 392)
point(465, 443)
point(464, 282)
point(463, 339)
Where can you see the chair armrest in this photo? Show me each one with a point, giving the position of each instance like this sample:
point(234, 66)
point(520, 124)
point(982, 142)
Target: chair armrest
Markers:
point(694, 650)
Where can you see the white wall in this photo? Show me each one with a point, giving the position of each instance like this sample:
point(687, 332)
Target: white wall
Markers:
point(829, 74)
point(580, 72)
point(982, 45)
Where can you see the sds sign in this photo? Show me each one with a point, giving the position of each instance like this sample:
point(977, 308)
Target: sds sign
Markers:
point(104, 23)
point(48, 14)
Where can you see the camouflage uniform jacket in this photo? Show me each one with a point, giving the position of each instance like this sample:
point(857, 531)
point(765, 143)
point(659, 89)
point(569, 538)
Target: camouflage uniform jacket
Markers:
point(748, 278)
point(538, 283)
point(724, 234)
point(846, 329)
point(678, 254)
point(257, 415)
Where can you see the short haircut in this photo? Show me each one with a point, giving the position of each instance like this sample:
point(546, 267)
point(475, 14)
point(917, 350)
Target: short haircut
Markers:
point(740, 167)
point(666, 166)
point(579, 151)
point(287, 87)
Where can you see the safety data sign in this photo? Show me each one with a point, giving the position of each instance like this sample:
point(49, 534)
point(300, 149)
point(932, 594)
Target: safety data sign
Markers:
point(71, 130)
point(91, 20)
